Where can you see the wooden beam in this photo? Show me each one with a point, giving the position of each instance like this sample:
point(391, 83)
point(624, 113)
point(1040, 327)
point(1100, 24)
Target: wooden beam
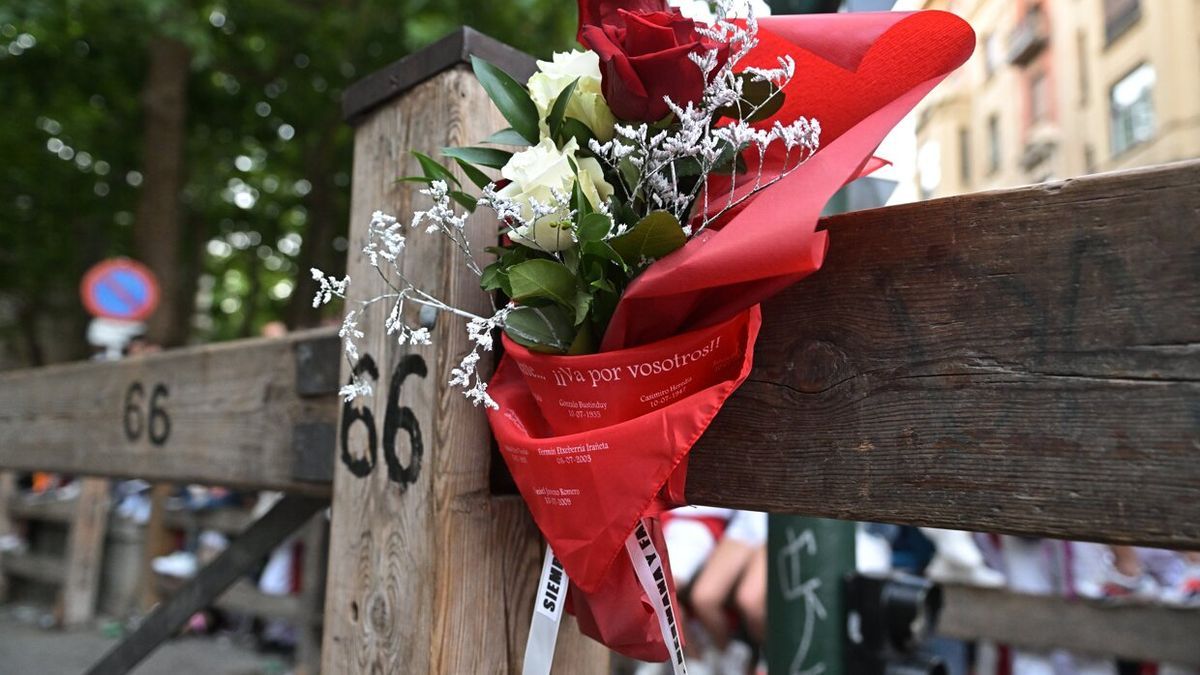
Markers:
point(429, 572)
point(1024, 361)
point(8, 497)
point(84, 557)
point(288, 515)
point(1129, 630)
point(236, 413)
point(39, 567)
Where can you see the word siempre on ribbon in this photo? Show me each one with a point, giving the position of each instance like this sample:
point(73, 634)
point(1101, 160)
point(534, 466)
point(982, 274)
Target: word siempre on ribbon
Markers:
point(647, 564)
point(548, 609)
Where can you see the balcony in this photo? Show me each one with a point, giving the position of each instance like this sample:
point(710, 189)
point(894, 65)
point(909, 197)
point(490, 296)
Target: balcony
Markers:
point(1029, 37)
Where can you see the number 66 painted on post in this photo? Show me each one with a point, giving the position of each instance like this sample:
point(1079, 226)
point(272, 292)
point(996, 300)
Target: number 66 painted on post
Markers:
point(395, 418)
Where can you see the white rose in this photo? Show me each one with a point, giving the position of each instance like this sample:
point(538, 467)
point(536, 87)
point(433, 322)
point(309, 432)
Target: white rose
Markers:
point(587, 102)
point(535, 174)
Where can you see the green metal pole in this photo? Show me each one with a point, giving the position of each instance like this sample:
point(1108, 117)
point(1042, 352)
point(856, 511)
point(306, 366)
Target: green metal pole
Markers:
point(806, 613)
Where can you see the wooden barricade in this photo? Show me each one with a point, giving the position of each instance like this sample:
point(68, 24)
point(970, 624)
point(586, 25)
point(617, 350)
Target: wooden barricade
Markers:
point(1021, 361)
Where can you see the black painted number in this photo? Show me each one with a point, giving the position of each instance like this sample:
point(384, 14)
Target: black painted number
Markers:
point(155, 422)
point(396, 418)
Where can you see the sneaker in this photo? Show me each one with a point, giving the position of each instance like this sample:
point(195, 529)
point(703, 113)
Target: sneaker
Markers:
point(1187, 591)
point(1118, 587)
point(11, 543)
point(179, 564)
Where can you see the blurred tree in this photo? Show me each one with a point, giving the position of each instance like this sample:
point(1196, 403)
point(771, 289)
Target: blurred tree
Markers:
point(202, 137)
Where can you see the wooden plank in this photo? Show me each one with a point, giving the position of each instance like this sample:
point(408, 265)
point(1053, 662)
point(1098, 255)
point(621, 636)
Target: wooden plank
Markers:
point(42, 568)
point(1024, 361)
point(244, 598)
point(222, 414)
point(429, 572)
point(226, 520)
point(243, 553)
point(84, 557)
point(311, 600)
point(156, 541)
point(8, 497)
point(1132, 631)
point(41, 510)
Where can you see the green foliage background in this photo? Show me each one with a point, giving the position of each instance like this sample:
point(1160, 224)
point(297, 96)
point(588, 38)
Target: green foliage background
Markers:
point(264, 138)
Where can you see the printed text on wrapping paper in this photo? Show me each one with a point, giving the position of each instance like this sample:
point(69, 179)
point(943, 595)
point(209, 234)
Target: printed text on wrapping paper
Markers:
point(564, 376)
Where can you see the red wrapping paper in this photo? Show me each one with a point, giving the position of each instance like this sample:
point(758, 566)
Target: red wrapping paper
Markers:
point(596, 442)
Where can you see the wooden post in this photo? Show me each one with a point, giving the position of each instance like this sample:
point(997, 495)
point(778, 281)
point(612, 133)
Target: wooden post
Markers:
point(312, 595)
point(156, 542)
point(85, 553)
point(8, 490)
point(429, 571)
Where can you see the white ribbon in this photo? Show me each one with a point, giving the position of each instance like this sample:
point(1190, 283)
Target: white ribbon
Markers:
point(547, 615)
point(647, 564)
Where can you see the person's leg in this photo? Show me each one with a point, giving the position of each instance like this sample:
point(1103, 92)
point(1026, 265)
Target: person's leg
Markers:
point(714, 585)
point(751, 598)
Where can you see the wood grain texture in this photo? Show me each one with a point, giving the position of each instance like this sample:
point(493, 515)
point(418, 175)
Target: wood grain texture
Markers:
point(84, 557)
point(8, 497)
point(428, 573)
point(1025, 361)
point(231, 410)
point(1132, 631)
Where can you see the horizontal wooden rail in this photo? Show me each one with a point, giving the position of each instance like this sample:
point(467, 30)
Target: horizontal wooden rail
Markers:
point(1133, 631)
point(1024, 361)
point(254, 413)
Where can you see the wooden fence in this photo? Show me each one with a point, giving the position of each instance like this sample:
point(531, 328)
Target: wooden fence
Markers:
point(1021, 361)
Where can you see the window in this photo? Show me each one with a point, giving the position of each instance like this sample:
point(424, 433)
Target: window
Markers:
point(1039, 98)
point(1132, 109)
point(964, 155)
point(993, 136)
point(992, 56)
point(1119, 16)
point(1081, 58)
point(929, 168)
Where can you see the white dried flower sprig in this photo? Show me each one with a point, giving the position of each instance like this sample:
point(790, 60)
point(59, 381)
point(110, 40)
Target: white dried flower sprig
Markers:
point(385, 243)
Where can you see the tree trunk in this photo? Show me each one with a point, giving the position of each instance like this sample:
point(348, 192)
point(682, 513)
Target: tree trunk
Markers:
point(317, 248)
point(158, 227)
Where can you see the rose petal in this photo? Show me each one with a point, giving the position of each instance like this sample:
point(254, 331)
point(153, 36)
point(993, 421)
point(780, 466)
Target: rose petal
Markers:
point(646, 37)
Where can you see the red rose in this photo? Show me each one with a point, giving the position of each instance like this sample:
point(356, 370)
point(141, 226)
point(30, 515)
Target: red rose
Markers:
point(644, 57)
point(604, 12)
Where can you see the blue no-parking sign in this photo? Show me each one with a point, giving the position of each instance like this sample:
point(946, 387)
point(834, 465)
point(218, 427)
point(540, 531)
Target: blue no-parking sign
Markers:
point(119, 288)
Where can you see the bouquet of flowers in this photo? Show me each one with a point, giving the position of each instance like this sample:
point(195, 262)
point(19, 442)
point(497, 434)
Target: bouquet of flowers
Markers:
point(653, 189)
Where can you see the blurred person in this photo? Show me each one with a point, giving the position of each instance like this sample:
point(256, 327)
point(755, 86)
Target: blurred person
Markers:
point(737, 571)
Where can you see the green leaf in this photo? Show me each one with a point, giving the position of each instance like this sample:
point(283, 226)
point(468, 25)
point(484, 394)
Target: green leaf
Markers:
point(468, 202)
point(492, 277)
point(583, 303)
point(434, 170)
point(582, 206)
point(490, 157)
point(479, 178)
point(602, 250)
point(543, 329)
point(545, 279)
point(510, 97)
point(653, 237)
point(593, 227)
point(507, 136)
point(559, 110)
point(573, 128)
point(415, 179)
point(584, 342)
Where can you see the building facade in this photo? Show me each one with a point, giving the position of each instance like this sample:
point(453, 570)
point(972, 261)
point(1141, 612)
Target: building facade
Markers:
point(1061, 88)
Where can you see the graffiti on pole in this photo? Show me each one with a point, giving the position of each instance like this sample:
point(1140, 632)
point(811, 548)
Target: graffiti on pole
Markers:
point(794, 586)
